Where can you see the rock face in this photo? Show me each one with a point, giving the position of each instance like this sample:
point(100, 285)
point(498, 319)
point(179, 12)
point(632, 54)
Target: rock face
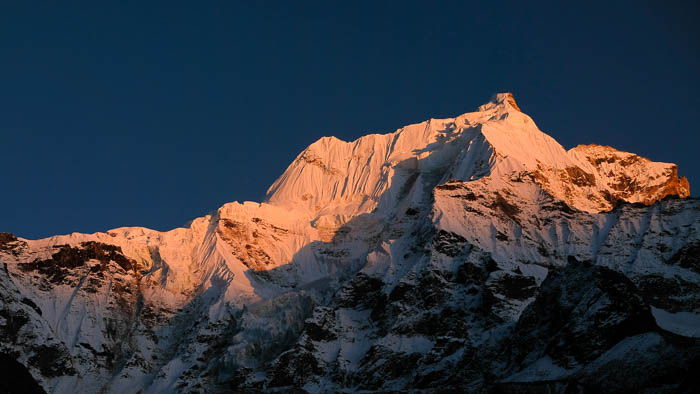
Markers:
point(469, 254)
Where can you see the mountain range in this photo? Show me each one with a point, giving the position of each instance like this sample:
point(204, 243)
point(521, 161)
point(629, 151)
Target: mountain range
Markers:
point(471, 254)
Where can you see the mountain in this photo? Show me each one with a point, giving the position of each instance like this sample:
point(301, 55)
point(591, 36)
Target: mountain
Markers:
point(471, 254)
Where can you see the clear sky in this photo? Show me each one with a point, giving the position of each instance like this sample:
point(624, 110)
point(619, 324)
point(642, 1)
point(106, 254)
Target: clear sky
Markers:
point(151, 115)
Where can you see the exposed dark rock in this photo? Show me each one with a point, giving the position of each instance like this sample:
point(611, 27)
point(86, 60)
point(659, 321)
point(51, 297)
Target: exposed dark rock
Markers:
point(579, 177)
point(449, 322)
point(501, 236)
point(672, 294)
point(16, 379)
point(13, 323)
point(411, 212)
point(448, 243)
point(650, 363)
point(52, 361)
point(241, 382)
point(469, 273)
point(6, 238)
point(360, 292)
point(403, 292)
point(10, 244)
point(490, 265)
point(381, 364)
point(517, 287)
point(454, 185)
point(433, 288)
point(294, 368)
point(31, 303)
point(321, 326)
point(579, 313)
point(687, 257)
point(467, 196)
point(507, 208)
point(62, 263)
point(558, 206)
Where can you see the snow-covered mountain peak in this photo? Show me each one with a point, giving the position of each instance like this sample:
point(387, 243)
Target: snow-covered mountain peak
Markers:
point(502, 100)
point(438, 246)
point(334, 177)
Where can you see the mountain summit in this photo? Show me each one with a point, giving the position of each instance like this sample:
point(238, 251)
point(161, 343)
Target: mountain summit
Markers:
point(337, 177)
point(472, 253)
point(501, 99)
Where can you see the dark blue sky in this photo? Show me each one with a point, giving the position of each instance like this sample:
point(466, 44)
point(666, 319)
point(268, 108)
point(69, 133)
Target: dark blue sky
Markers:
point(151, 115)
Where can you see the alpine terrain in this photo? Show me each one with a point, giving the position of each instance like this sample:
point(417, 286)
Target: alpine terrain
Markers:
point(470, 254)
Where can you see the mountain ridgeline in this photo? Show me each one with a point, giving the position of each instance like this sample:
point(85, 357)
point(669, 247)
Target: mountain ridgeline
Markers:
point(472, 254)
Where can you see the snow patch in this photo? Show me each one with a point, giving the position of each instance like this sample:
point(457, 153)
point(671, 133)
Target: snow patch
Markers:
point(686, 324)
